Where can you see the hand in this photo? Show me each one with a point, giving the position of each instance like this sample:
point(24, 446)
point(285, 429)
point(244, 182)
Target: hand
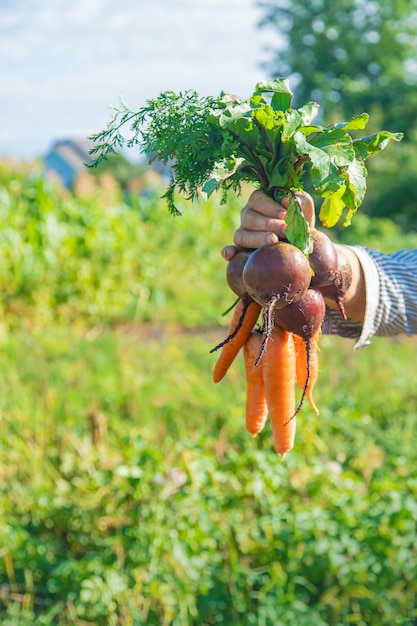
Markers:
point(262, 221)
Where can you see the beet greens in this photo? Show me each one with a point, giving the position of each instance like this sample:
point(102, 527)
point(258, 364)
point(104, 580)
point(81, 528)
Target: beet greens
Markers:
point(218, 142)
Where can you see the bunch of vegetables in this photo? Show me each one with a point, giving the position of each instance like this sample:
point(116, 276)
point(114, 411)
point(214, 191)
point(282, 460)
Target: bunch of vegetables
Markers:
point(282, 285)
point(218, 143)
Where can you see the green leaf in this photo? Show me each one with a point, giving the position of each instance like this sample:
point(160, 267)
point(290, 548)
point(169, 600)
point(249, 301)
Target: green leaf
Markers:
point(265, 116)
point(325, 187)
point(308, 113)
point(350, 202)
point(298, 230)
point(356, 176)
point(356, 123)
point(209, 187)
point(374, 143)
point(292, 122)
point(332, 208)
point(282, 176)
point(280, 90)
point(320, 160)
point(337, 144)
point(222, 171)
point(232, 113)
point(345, 191)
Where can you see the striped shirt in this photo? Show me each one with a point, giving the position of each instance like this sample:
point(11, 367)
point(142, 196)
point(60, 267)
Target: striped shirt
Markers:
point(391, 298)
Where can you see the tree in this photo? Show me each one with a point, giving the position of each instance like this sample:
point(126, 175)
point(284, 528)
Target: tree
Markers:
point(353, 56)
point(349, 55)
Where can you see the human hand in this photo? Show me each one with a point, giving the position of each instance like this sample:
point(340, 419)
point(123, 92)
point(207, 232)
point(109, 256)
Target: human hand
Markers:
point(262, 221)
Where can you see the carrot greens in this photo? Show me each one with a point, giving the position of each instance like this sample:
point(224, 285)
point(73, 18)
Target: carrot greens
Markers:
point(216, 143)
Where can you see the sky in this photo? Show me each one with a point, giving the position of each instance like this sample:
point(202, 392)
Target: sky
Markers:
point(64, 63)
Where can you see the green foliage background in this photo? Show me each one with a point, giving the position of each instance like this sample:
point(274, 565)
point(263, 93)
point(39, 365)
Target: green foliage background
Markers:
point(353, 56)
point(131, 493)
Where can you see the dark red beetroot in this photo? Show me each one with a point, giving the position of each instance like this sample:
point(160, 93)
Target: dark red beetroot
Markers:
point(336, 289)
point(276, 274)
point(234, 272)
point(323, 259)
point(304, 318)
point(234, 277)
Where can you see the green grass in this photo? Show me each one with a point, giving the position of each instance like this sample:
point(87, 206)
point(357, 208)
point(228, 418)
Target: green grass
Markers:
point(131, 493)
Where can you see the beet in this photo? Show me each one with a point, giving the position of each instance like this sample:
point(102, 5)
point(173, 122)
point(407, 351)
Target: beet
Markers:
point(323, 259)
point(276, 274)
point(303, 317)
point(234, 272)
point(234, 277)
point(336, 289)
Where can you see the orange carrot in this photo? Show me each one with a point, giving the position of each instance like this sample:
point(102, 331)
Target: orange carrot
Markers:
point(278, 366)
point(256, 407)
point(244, 318)
point(307, 366)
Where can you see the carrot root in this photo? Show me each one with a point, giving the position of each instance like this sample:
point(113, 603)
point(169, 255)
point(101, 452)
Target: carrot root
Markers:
point(279, 371)
point(256, 406)
point(307, 367)
point(243, 321)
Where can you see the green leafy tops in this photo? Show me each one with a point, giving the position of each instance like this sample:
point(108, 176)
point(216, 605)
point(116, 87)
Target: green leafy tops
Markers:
point(217, 143)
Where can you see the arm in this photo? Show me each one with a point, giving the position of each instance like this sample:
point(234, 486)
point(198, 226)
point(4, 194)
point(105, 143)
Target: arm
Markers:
point(262, 222)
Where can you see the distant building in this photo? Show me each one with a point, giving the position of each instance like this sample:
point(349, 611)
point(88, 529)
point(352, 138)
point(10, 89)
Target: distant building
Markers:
point(67, 159)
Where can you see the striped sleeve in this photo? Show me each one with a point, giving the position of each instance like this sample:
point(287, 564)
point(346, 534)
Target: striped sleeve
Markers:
point(391, 297)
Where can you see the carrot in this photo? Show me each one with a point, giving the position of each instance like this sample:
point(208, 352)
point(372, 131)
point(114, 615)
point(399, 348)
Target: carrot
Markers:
point(243, 321)
point(278, 366)
point(307, 366)
point(256, 407)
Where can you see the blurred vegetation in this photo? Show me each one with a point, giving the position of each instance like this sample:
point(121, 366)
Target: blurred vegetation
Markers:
point(127, 175)
point(353, 56)
point(131, 493)
point(92, 255)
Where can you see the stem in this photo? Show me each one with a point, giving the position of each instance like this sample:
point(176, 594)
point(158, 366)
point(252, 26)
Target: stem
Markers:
point(268, 141)
point(259, 169)
point(274, 190)
point(299, 163)
point(232, 306)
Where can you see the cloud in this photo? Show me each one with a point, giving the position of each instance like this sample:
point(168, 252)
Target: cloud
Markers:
point(64, 64)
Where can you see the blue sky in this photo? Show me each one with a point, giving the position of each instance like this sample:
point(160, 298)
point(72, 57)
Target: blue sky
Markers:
point(64, 63)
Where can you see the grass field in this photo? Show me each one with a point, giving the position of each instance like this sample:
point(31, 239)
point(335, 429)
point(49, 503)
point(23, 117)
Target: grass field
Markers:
point(131, 493)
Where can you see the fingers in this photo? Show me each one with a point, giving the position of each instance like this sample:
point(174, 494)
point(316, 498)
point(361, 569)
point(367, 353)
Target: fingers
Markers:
point(253, 220)
point(262, 221)
point(228, 252)
point(253, 238)
point(261, 203)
